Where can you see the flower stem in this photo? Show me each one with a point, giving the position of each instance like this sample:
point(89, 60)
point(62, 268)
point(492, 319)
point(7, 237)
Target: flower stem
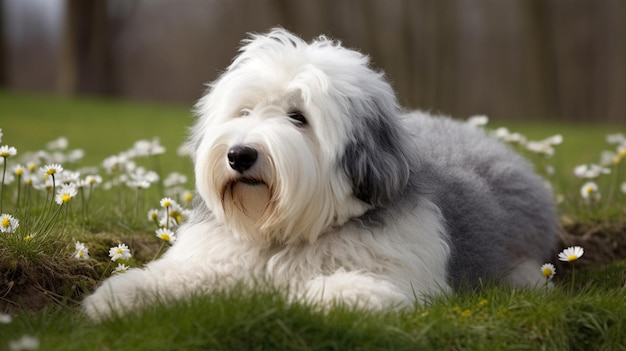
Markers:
point(4, 170)
point(158, 253)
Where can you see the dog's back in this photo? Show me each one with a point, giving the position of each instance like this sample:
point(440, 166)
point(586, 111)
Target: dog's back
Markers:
point(499, 214)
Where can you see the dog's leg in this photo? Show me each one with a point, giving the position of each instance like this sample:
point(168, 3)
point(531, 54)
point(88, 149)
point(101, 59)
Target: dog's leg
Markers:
point(188, 268)
point(160, 281)
point(357, 289)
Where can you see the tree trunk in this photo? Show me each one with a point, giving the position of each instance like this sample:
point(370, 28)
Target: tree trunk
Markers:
point(85, 55)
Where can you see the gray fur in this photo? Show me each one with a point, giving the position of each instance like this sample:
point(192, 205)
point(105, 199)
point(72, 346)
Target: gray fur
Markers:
point(497, 211)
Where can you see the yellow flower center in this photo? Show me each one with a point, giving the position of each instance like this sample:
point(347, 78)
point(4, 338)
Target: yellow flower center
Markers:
point(547, 272)
point(119, 251)
point(165, 237)
point(167, 204)
point(188, 196)
point(4, 154)
point(5, 222)
point(589, 190)
point(571, 258)
point(80, 253)
point(65, 197)
point(19, 171)
point(51, 171)
point(27, 238)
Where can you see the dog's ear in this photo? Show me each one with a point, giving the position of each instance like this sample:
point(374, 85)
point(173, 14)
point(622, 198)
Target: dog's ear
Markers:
point(374, 159)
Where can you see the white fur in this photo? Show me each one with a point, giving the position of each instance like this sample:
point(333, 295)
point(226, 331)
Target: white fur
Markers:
point(302, 226)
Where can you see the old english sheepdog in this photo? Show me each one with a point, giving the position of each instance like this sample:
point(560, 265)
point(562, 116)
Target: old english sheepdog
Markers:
point(310, 177)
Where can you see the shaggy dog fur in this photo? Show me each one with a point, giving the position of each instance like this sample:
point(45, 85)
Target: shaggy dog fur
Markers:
point(310, 177)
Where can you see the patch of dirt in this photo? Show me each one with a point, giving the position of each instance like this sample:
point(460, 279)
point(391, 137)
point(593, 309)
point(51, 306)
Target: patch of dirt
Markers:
point(26, 285)
point(602, 242)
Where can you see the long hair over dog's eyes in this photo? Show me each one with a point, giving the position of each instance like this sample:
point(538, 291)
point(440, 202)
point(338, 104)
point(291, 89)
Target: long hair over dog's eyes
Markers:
point(298, 118)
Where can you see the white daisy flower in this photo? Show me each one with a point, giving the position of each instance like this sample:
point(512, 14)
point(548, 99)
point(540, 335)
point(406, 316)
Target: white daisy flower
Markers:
point(65, 193)
point(166, 235)
point(571, 254)
point(548, 271)
point(82, 252)
point(478, 120)
point(120, 251)
point(167, 202)
point(6, 151)
point(26, 342)
point(590, 191)
point(51, 169)
point(121, 268)
point(8, 223)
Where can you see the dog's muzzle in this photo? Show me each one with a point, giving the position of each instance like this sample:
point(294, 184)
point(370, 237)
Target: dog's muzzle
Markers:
point(241, 158)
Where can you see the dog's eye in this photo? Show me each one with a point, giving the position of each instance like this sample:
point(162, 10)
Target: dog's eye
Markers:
point(244, 112)
point(298, 118)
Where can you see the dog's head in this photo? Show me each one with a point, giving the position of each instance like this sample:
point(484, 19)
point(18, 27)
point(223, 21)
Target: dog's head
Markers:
point(295, 138)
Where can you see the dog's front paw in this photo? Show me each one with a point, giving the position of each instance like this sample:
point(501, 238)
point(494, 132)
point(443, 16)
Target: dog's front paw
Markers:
point(119, 295)
point(354, 289)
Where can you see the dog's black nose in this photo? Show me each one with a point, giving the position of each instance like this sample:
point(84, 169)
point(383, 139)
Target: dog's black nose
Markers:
point(241, 158)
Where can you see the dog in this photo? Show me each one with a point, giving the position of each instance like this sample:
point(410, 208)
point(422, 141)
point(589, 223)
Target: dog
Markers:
point(310, 177)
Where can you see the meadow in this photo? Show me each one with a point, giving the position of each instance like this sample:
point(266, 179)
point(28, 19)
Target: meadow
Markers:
point(122, 164)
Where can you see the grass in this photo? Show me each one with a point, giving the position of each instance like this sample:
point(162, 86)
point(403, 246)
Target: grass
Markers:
point(592, 318)
point(40, 281)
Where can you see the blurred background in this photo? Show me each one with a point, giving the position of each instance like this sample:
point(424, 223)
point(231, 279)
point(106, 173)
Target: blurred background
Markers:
point(560, 60)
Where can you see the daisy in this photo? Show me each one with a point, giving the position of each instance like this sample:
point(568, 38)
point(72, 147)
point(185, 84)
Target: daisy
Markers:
point(148, 148)
point(167, 202)
point(540, 147)
point(6, 151)
point(117, 164)
point(5, 318)
point(167, 222)
point(590, 191)
point(548, 271)
point(59, 144)
point(8, 223)
point(503, 134)
point(51, 169)
point(174, 179)
point(153, 215)
point(617, 138)
point(93, 180)
point(478, 120)
point(590, 171)
point(571, 254)
point(65, 194)
point(31, 166)
point(187, 196)
point(82, 252)
point(26, 342)
point(120, 251)
point(138, 184)
point(75, 155)
point(18, 170)
point(121, 268)
point(166, 235)
point(68, 176)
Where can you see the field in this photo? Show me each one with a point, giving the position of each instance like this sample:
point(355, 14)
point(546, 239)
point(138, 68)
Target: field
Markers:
point(42, 279)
